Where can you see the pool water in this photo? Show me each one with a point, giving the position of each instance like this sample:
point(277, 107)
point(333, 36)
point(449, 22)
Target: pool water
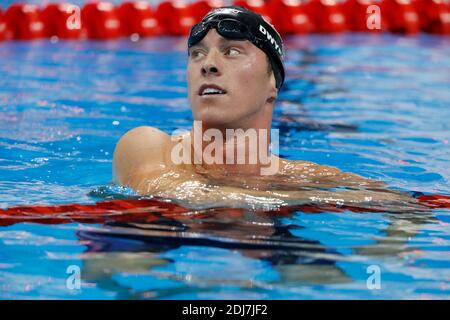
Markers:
point(377, 106)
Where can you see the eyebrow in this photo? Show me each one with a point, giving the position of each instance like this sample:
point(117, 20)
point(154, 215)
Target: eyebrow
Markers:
point(222, 43)
point(197, 45)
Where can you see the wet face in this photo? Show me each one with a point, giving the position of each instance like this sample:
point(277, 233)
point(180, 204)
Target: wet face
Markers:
point(228, 82)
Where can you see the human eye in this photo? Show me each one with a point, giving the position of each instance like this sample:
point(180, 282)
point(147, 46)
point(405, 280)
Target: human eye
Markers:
point(232, 51)
point(196, 53)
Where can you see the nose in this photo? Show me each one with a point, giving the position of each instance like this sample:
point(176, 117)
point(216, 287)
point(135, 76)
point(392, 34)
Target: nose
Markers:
point(210, 64)
point(209, 69)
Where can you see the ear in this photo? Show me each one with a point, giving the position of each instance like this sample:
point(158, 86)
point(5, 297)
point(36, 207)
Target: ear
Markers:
point(273, 91)
point(271, 99)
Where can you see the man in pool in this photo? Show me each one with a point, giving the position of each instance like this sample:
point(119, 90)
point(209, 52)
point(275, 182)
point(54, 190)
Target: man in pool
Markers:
point(235, 71)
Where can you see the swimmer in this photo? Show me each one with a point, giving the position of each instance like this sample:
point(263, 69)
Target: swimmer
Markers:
point(235, 71)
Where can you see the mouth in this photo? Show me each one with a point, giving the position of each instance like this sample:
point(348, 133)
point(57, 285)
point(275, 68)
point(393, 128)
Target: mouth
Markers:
point(211, 90)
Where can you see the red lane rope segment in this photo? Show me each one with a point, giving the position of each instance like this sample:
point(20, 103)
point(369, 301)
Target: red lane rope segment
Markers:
point(148, 210)
point(104, 20)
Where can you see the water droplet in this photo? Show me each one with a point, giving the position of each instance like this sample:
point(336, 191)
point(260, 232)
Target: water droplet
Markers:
point(134, 37)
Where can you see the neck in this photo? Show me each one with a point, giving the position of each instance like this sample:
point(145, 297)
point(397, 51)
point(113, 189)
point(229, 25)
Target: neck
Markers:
point(232, 149)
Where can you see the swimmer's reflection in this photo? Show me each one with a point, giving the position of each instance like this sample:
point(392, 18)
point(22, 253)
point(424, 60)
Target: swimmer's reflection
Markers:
point(395, 240)
point(136, 248)
point(292, 115)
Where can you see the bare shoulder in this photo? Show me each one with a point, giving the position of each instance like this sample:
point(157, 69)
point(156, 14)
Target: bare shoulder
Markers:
point(330, 173)
point(140, 149)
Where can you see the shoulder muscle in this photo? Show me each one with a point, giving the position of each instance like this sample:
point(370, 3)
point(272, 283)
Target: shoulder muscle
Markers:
point(140, 149)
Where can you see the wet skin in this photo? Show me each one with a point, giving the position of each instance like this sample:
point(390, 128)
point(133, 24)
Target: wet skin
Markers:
point(142, 160)
point(143, 156)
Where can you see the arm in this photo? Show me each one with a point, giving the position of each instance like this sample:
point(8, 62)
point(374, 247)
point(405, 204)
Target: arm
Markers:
point(139, 154)
point(350, 187)
point(334, 177)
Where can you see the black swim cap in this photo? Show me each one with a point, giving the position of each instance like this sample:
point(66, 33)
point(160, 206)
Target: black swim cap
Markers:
point(236, 22)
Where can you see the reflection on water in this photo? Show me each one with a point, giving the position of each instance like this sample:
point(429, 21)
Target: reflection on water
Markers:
point(138, 248)
point(376, 106)
point(297, 261)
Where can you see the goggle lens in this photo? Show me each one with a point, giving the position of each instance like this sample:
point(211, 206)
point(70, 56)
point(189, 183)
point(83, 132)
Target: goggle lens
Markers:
point(228, 28)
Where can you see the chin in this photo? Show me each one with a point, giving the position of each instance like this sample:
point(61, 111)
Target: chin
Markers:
point(212, 118)
point(211, 121)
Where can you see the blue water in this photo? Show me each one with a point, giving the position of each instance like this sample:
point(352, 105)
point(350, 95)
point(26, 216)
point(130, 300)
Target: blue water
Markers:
point(374, 105)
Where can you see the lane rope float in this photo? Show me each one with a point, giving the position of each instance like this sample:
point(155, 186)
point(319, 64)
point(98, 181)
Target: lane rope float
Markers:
point(104, 20)
point(148, 210)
